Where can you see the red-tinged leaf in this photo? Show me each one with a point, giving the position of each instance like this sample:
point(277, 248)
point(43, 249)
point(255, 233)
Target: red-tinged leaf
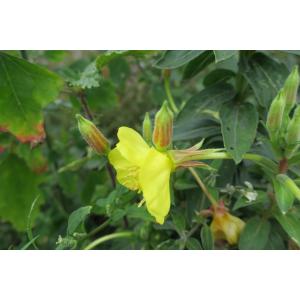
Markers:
point(25, 88)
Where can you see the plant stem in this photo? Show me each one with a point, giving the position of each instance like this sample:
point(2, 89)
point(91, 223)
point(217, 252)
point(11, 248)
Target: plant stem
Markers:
point(256, 158)
point(203, 187)
point(84, 104)
point(169, 94)
point(97, 229)
point(124, 234)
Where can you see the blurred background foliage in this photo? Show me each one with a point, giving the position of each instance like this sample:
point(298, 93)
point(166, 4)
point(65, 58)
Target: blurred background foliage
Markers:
point(57, 194)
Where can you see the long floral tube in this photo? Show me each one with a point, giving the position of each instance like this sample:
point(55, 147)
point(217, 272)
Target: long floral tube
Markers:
point(256, 158)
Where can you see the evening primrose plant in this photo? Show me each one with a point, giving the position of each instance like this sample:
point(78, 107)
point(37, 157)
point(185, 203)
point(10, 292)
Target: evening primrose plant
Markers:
point(146, 167)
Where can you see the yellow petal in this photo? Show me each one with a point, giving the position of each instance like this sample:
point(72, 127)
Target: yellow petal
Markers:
point(127, 173)
point(132, 146)
point(154, 180)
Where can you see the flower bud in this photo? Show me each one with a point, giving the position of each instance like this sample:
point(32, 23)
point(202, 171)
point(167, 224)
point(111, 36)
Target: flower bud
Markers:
point(292, 136)
point(163, 128)
point(275, 116)
point(290, 89)
point(92, 135)
point(226, 226)
point(147, 128)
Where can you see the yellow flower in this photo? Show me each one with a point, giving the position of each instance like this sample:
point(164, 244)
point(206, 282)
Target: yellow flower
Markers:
point(226, 226)
point(144, 169)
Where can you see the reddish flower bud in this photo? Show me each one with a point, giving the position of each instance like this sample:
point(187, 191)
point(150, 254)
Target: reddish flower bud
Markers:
point(163, 128)
point(92, 135)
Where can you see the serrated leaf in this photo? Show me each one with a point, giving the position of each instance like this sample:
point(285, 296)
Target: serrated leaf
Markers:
point(207, 238)
point(25, 88)
point(89, 78)
point(77, 218)
point(255, 234)
point(221, 55)
point(265, 75)
point(172, 59)
point(18, 188)
point(238, 123)
point(198, 64)
point(290, 222)
point(284, 197)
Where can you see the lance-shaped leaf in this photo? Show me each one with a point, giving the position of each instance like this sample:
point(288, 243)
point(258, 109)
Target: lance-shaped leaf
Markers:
point(239, 123)
point(25, 88)
point(221, 55)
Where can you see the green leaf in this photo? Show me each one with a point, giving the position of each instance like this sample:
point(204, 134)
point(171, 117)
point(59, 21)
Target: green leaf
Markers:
point(25, 88)
point(102, 97)
point(198, 117)
point(265, 75)
point(255, 234)
point(107, 57)
point(221, 55)
point(238, 124)
point(193, 244)
point(275, 242)
point(291, 224)
point(89, 78)
point(262, 198)
point(66, 243)
point(284, 197)
point(77, 218)
point(18, 188)
point(198, 64)
point(56, 55)
point(207, 238)
point(172, 59)
point(179, 222)
point(217, 76)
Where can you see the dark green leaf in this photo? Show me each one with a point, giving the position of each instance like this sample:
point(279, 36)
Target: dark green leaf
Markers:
point(255, 234)
point(172, 59)
point(198, 64)
point(77, 218)
point(217, 76)
point(179, 222)
point(207, 239)
point(198, 117)
point(238, 123)
point(25, 88)
point(18, 188)
point(265, 75)
point(275, 241)
point(221, 55)
point(262, 198)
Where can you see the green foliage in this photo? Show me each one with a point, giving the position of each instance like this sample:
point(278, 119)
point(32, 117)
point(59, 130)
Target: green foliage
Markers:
point(239, 123)
point(255, 234)
point(56, 193)
point(25, 89)
point(18, 189)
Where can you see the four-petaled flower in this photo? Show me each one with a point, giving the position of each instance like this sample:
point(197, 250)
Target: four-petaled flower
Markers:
point(144, 169)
